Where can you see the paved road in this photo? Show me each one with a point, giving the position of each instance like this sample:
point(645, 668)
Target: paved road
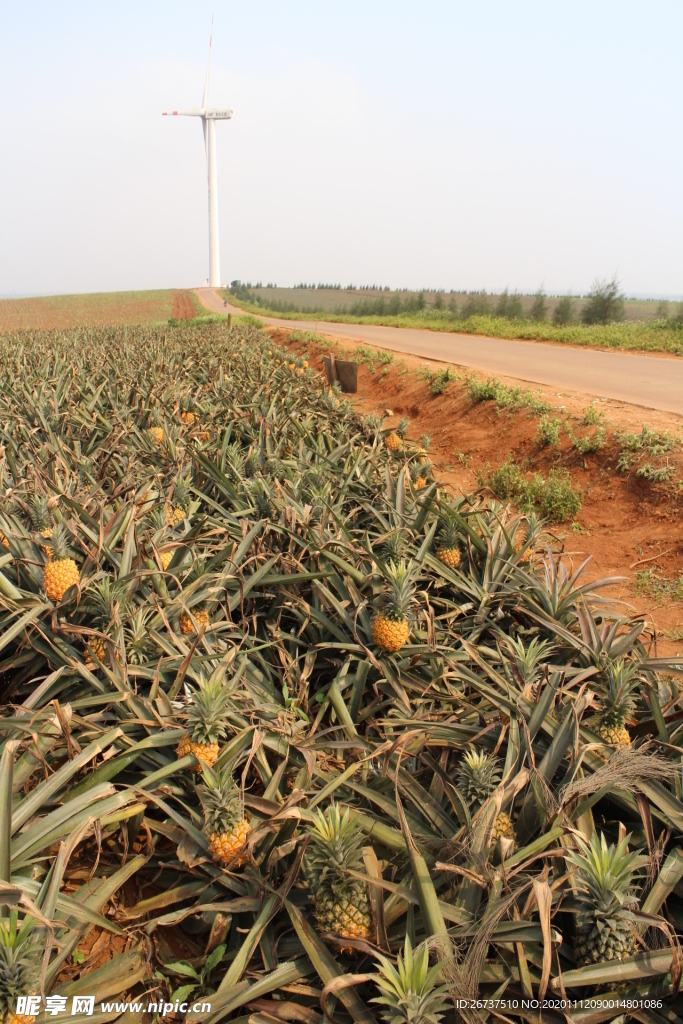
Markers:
point(654, 382)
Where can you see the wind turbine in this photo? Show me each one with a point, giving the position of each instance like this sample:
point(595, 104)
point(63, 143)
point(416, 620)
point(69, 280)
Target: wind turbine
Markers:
point(209, 116)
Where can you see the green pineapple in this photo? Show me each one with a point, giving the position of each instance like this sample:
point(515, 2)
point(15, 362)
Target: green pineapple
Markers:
point(391, 627)
point(410, 992)
point(206, 719)
point(20, 962)
point(225, 825)
point(618, 702)
point(605, 892)
point(341, 902)
point(477, 777)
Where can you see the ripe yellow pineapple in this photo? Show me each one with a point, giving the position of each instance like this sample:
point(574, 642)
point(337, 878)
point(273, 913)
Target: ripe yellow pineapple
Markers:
point(166, 558)
point(391, 627)
point(157, 435)
point(395, 438)
point(342, 904)
point(502, 828)
point(477, 777)
point(61, 572)
point(204, 435)
point(225, 825)
point(448, 543)
point(201, 617)
point(206, 721)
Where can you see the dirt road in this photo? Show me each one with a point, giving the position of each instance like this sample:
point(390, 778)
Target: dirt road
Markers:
point(654, 382)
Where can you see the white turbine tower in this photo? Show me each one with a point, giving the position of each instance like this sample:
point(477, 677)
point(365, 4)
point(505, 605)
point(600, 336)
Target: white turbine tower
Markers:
point(209, 116)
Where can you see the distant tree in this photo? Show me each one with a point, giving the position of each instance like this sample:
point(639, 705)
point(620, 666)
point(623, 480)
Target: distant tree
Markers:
point(438, 300)
point(605, 303)
point(662, 310)
point(453, 306)
point(509, 306)
point(502, 304)
point(538, 309)
point(678, 318)
point(564, 311)
point(476, 304)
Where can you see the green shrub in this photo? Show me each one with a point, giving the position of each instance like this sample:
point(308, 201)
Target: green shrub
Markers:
point(548, 431)
point(553, 497)
point(592, 416)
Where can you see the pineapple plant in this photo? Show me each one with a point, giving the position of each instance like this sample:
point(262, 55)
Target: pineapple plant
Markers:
point(391, 628)
point(477, 777)
point(138, 640)
point(157, 435)
point(179, 509)
point(104, 601)
point(187, 414)
point(419, 472)
point(206, 720)
point(618, 702)
point(197, 619)
point(342, 904)
point(225, 825)
point(394, 439)
point(410, 993)
point(448, 543)
point(61, 572)
point(604, 889)
point(20, 961)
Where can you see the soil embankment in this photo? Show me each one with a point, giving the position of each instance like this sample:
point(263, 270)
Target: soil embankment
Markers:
point(628, 525)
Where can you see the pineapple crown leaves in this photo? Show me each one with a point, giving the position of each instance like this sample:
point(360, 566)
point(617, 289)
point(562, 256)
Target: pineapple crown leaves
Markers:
point(402, 427)
point(40, 513)
point(618, 696)
point(528, 660)
point(20, 959)
point(105, 600)
point(478, 776)
point(409, 991)
point(399, 588)
point(206, 711)
point(449, 535)
point(221, 799)
point(138, 640)
point(605, 877)
point(374, 422)
point(334, 846)
point(59, 542)
point(182, 493)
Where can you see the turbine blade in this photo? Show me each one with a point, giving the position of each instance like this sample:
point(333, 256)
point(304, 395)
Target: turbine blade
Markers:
point(205, 101)
point(206, 150)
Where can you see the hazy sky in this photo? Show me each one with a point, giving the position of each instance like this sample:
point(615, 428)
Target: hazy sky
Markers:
point(454, 145)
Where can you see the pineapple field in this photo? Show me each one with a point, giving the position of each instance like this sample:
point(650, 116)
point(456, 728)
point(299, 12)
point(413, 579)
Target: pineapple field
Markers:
point(289, 732)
